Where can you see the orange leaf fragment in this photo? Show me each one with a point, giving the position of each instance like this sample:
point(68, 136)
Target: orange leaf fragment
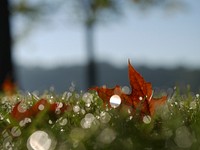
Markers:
point(18, 113)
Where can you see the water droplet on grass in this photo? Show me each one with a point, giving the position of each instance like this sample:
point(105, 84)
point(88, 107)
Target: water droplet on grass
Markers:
point(1, 117)
point(107, 136)
point(85, 123)
point(115, 101)
point(41, 107)
point(76, 108)
point(7, 143)
point(62, 121)
point(22, 107)
point(83, 111)
point(15, 131)
point(59, 105)
point(147, 119)
point(140, 98)
point(40, 140)
point(90, 117)
point(87, 104)
point(104, 117)
point(50, 122)
point(126, 90)
point(87, 98)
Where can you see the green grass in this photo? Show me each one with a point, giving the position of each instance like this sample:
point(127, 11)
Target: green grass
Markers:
point(88, 124)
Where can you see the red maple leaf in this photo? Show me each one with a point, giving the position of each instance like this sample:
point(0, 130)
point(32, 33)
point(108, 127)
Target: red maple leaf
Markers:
point(19, 113)
point(141, 96)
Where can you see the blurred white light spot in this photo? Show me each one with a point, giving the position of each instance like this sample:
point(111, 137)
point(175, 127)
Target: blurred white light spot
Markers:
point(104, 117)
point(59, 105)
point(87, 98)
point(107, 136)
point(90, 117)
point(126, 90)
point(85, 123)
point(83, 111)
point(22, 108)
point(87, 104)
point(183, 137)
point(40, 140)
point(41, 107)
point(76, 108)
point(50, 122)
point(147, 119)
point(115, 101)
point(140, 98)
point(62, 121)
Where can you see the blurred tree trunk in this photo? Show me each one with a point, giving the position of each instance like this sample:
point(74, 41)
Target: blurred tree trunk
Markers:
point(6, 66)
point(91, 66)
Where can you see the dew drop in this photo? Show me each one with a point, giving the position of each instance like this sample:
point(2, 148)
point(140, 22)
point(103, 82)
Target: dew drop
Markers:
point(87, 98)
point(115, 101)
point(5, 134)
point(146, 119)
point(90, 117)
point(140, 98)
point(77, 95)
point(87, 104)
point(64, 95)
point(62, 130)
point(126, 90)
point(59, 105)
point(23, 122)
point(104, 117)
point(83, 111)
point(129, 110)
point(57, 111)
point(8, 120)
point(50, 122)
point(7, 143)
point(71, 88)
point(40, 140)
point(107, 136)
point(130, 117)
point(22, 108)
point(69, 94)
point(85, 123)
point(76, 108)
point(15, 131)
point(1, 117)
point(62, 121)
point(41, 107)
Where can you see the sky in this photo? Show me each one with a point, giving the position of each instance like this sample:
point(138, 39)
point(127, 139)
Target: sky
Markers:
point(155, 38)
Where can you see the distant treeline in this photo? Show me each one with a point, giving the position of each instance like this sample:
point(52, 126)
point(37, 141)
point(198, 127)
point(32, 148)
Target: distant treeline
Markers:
point(61, 78)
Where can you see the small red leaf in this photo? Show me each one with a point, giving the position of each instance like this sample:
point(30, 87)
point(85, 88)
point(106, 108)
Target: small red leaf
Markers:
point(141, 95)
